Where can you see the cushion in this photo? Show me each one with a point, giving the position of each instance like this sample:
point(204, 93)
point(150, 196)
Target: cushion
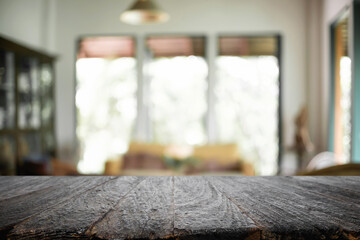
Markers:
point(144, 156)
point(222, 154)
point(219, 157)
point(146, 148)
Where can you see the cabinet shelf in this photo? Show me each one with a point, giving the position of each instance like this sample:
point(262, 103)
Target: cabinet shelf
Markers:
point(27, 105)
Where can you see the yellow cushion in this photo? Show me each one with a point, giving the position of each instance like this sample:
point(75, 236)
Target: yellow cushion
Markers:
point(222, 154)
point(113, 166)
point(146, 148)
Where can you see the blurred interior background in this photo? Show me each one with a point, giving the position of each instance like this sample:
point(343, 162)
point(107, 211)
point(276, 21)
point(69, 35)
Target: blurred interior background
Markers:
point(230, 87)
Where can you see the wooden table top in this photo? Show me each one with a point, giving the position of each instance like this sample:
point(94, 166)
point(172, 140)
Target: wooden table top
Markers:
point(180, 207)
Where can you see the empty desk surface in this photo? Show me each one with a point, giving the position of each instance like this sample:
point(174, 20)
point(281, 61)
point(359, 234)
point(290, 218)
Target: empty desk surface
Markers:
point(180, 207)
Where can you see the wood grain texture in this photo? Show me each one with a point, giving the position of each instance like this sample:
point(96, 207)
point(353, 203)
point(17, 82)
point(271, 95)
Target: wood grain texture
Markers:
point(58, 189)
point(348, 196)
point(72, 218)
point(180, 207)
point(328, 206)
point(344, 182)
point(146, 212)
point(283, 211)
point(15, 186)
point(203, 212)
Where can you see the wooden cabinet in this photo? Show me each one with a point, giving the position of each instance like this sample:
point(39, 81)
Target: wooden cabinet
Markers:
point(27, 106)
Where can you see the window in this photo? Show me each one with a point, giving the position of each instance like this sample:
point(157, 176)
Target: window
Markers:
point(177, 72)
point(105, 99)
point(247, 99)
point(341, 92)
point(172, 102)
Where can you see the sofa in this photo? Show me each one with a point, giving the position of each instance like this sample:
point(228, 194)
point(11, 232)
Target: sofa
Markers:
point(156, 159)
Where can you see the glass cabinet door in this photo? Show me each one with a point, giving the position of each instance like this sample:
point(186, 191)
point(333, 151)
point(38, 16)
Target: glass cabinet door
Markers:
point(47, 100)
point(7, 91)
point(28, 88)
point(29, 144)
point(47, 107)
point(27, 107)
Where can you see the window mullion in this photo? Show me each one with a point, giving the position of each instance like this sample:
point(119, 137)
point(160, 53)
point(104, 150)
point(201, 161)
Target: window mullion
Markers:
point(211, 53)
point(141, 131)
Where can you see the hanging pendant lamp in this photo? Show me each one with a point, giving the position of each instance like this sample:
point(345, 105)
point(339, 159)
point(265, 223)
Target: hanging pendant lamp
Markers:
point(144, 12)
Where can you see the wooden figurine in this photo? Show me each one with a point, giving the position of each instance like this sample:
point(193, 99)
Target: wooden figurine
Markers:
point(303, 144)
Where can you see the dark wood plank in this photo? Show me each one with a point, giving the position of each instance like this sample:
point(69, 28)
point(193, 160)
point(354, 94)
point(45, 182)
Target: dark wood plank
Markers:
point(180, 208)
point(202, 212)
point(146, 212)
point(73, 218)
point(341, 194)
point(282, 213)
point(14, 186)
point(11, 184)
point(19, 208)
point(8, 182)
point(340, 214)
point(345, 182)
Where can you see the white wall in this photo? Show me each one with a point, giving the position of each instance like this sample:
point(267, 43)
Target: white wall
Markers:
point(210, 17)
point(314, 34)
point(28, 22)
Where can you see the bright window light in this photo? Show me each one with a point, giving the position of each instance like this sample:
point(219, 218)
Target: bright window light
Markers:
point(106, 109)
point(345, 102)
point(178, 99)
point(247, 101)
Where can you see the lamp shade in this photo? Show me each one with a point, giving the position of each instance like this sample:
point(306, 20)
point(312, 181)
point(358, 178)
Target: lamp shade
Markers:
point(144, 12)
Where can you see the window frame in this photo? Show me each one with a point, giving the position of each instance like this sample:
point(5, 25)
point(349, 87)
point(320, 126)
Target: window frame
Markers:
point(278, 55)
point(353, 11)
point(332, 105)
point(75, 82)
point(355, 140)
point(142, 128)
point(146, 88)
